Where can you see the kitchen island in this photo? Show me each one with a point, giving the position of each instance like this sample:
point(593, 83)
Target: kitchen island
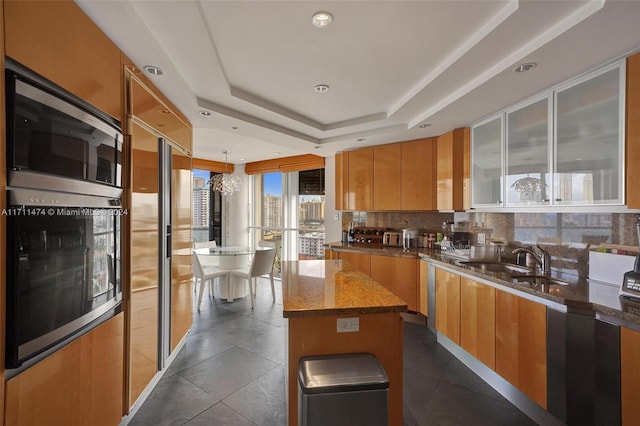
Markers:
point(319, 293)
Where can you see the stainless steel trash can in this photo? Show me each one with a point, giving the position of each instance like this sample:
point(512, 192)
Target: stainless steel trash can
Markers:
point(342, 390)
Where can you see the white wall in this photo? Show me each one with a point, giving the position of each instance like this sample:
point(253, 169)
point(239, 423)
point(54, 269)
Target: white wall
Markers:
point(333, 227)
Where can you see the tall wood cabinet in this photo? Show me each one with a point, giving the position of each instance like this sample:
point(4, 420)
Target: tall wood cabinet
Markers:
point(418, 188)
point(360, 182)
point(453, 152)
point(58, 41)
point(342, 181)
point(387, 177)
point(632, 132)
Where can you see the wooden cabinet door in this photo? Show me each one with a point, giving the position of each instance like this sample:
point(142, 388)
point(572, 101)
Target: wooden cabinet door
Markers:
point(521, 344)
point(58, 41)
point(423, 288)
point(632, 145)
point(478, 321)
point(630, 375)
point(361, 261)
point(361, 179)
point(399, 275)
point(448, 304)
point(419, 175)
point(342, 181)
point(387, 165)
point(450, 169)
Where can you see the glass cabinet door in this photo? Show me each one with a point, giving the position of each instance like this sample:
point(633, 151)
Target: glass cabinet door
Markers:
point(528, 178)
point(589, 115)
point(486, 163)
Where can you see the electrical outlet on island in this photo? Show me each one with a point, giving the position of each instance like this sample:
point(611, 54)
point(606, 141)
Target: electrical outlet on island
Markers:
point(348, 325)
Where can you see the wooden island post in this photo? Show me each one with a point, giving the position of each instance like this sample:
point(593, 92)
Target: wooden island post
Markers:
point(316, 293)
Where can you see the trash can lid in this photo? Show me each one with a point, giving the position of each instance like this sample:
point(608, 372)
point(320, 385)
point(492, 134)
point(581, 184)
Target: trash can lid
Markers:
point(341, 373)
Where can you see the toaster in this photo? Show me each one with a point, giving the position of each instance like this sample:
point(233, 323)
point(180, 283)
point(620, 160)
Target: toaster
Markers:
point(392, 239)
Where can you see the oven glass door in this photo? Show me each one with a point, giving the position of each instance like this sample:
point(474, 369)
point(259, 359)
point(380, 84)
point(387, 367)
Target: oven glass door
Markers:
point(48, 134)
point(64, 268)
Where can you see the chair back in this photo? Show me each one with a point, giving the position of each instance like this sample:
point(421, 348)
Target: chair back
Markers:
point(205, 244)
point(262, 262)
point(198, 272)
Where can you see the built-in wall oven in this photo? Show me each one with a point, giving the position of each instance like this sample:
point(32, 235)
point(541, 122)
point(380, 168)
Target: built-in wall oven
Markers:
point(64, 217)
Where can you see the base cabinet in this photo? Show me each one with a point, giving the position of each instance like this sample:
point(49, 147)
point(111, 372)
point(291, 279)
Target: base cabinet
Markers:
point(521, 344)
point(448, 304)
point(399, 275)
point(478, 321)
point(361, 261)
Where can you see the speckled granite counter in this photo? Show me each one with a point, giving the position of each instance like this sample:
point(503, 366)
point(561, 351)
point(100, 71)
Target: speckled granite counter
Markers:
point(332, 287)
point(317, 295)
point(580, 295)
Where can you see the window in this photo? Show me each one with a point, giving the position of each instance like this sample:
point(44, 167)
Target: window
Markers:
point(206, 209)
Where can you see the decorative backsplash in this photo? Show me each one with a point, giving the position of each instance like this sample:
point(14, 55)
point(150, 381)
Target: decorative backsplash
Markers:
point(566, 236)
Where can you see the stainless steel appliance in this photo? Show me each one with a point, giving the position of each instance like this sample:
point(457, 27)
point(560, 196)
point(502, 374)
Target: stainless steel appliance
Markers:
point(64, 218)
point(631, 282)
point(409, 239)
point(392, 239)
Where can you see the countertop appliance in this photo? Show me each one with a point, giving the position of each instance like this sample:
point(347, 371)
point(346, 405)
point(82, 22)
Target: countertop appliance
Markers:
point(631, 281)
point(392, 239)
point(409, 239)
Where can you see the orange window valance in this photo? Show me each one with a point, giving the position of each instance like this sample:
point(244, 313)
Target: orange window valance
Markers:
point(296, 163)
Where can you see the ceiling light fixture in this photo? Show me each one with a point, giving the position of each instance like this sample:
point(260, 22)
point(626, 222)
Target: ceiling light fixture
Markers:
point(234, 127)
point(205, 113)
point(153, 70)
point(321, 88)
point(424, 125)
point(361, 139)
point(321, 19)
point(525, 67)
point(225, 183)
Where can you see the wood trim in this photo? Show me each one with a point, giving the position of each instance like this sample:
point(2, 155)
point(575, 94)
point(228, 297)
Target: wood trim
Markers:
point(630, 375)
point(633, 132)
point(212, 166)
point(295, 163)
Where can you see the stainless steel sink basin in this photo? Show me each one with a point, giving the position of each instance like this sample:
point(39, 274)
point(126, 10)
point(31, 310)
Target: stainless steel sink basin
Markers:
point(540, 282)
point(492, 266)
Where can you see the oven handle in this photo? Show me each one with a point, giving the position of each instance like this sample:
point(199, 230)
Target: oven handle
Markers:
point(52, 199)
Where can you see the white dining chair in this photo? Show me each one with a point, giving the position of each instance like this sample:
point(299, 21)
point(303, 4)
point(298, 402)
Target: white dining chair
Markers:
point(208, 273)
point(262, 264)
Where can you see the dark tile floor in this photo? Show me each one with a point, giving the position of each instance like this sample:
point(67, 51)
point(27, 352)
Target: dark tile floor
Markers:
point(231, 372)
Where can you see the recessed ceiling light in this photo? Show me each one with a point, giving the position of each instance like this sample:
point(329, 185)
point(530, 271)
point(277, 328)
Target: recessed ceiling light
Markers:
point(525, 67)
point(361, 139)
point(242, 159)
point(321, 88)
point(424, 125)
point(321, 19)
point(234, 127)
point(205, 113)
point(153, 70)
point(317, 147)
point(276, 153)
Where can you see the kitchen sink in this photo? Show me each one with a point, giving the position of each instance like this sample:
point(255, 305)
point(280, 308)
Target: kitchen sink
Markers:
point(540, 282)
point(493, 266)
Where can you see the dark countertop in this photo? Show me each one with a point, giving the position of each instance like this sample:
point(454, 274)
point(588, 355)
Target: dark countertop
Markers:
point(580, 295)
point(332, 287)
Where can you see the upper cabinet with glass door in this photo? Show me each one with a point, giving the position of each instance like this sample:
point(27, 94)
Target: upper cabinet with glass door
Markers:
point(528, 150)
point(486, 163)
point(589, 135)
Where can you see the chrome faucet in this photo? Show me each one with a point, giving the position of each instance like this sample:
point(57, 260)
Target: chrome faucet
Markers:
point(543, 259)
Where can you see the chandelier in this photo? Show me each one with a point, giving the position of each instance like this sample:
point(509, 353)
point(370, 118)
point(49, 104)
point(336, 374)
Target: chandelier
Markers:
point(225, 183)
point(528, 186)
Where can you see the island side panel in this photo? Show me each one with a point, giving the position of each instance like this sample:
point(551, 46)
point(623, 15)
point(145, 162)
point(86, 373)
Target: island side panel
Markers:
point(379, 334)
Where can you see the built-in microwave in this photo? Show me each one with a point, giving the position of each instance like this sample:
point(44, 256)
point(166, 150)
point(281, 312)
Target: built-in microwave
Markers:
point(64, 218)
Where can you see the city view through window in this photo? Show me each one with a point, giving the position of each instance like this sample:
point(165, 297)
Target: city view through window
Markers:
point(306, 220)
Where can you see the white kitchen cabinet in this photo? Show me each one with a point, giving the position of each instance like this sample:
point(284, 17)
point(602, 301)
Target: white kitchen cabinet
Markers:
point(528, 153)
point(589, 139)
point(486, 163)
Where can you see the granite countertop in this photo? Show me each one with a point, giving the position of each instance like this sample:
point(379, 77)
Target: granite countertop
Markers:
point(333, 287)
point(579, 295)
